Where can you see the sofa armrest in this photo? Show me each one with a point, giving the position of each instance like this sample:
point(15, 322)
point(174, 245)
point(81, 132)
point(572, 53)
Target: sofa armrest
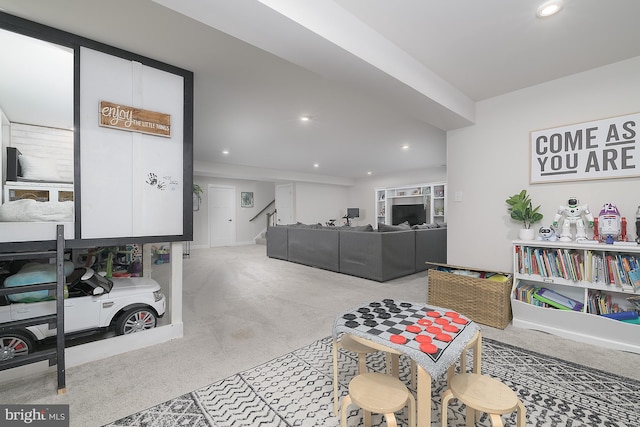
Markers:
point(277, 246)
point(431, 246)
point(377, 256)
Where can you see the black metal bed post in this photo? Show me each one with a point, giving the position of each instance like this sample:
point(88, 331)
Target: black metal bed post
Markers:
point(60, 362)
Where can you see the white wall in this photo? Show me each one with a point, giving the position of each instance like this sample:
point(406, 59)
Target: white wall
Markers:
point(246, 231)
point(489, 161)
point(140, 173)
point(314, 202)
point(362, 195)
point(318, 203)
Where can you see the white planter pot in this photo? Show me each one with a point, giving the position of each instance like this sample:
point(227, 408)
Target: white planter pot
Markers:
point(527, 234)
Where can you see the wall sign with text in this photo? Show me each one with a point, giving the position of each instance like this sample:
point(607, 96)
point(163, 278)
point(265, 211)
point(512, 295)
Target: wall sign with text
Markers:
point(600, 149)
point(134, 119)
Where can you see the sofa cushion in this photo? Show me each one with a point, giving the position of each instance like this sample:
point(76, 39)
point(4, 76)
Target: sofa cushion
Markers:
point(425, 226)
point(315, 247)
point(386, 227)
point(367, 227)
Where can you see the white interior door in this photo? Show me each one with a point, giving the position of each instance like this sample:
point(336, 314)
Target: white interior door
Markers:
point(284, 204)
point(222, 216)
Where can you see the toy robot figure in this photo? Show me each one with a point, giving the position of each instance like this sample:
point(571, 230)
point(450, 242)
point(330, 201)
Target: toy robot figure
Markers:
point(572, 214)
point(547, 233)
point(610, 225)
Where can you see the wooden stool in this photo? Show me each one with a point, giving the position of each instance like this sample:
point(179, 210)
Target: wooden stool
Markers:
point(392, 358)
point(476, 345)
point(348, 343)
point(379, 393)
point(484, 394)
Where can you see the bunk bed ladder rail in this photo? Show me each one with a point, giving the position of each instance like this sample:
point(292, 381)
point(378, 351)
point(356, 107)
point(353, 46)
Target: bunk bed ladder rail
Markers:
point(54, 356)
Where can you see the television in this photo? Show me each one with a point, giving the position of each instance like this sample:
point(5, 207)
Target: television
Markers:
point(413, 214)
point(353, 212)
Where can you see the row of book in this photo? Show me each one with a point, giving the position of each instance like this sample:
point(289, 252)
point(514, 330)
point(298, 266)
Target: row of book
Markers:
point(601, 303)
point(621, 270)
point(598, 302)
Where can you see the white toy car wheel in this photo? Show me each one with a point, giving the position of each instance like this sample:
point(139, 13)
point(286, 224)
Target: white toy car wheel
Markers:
point(136, 320)
point(13, 344)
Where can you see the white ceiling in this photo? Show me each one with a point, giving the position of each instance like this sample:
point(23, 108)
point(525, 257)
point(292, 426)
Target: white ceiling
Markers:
point(373, 74)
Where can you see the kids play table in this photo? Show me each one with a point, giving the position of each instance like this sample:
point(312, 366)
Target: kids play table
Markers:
point(433, 337)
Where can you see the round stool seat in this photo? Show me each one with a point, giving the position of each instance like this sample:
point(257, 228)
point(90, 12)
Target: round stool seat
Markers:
point(483, 393)
point(378, 393)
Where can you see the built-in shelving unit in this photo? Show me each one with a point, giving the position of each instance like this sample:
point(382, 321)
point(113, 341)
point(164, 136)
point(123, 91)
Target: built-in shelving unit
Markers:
point(593, 274)
point(431, 195)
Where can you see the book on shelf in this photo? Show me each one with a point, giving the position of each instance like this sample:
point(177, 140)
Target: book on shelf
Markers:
point(524, 292)
point(557, 300)
point(622, 315)
point(634, 278)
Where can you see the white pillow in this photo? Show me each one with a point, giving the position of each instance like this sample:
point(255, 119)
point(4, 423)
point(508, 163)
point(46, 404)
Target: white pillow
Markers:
point(39, 168)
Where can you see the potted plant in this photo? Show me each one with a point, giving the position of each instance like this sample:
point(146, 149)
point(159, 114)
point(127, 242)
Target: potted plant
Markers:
point(197, 196)
point(521, 209)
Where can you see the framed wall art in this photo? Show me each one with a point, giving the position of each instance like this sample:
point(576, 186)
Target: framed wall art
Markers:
point(246, 199)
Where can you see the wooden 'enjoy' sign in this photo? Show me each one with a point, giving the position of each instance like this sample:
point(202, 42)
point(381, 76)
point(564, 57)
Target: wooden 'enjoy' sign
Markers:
point(599, 149)
point(134, 119)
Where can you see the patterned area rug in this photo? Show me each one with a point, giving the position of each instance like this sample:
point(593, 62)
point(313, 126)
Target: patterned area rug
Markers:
point(296, 390)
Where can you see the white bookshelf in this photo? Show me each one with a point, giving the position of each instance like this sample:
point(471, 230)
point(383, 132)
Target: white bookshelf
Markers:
point(584, 325)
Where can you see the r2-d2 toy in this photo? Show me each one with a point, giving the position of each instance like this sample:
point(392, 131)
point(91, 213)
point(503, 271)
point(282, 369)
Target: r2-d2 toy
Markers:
point(610, 226)
point(572, 214)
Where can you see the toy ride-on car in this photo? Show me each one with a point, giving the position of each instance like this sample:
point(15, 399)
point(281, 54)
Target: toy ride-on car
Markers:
point(94, 303)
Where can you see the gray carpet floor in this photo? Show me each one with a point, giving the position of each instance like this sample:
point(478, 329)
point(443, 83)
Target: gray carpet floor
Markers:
point(290, 306)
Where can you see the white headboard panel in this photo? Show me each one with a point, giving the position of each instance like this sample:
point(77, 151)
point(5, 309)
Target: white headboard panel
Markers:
point(46, 142)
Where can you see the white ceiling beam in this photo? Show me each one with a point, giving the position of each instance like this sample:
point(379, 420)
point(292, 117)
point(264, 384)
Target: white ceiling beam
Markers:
point(326, 39)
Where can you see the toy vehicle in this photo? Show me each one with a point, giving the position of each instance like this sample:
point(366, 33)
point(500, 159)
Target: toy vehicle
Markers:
point(94, 303)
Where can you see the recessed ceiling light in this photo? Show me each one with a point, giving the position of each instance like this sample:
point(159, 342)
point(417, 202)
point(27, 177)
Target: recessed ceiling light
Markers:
point(225, 152)
point(316, 165)
point(549, 8)
point(405, 147)
point(305, 118)
point(369, 173)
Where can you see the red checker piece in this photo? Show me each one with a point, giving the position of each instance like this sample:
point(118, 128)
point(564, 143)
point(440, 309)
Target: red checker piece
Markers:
point(444, 337)
point(423, 339)
point(434, 330)
point(451, 314)
point(450, 328)
point(428, 348)
point(459, 321)
point(397, 339)
point(424, 322)
point(413, 328)
point(433, 314)
point(442, 321)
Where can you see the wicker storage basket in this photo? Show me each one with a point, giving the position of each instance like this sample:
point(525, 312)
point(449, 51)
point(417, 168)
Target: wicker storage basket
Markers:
point(483, 301)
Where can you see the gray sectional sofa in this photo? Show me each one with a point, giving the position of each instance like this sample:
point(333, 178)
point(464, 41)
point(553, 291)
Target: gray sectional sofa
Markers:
point(359, 251)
